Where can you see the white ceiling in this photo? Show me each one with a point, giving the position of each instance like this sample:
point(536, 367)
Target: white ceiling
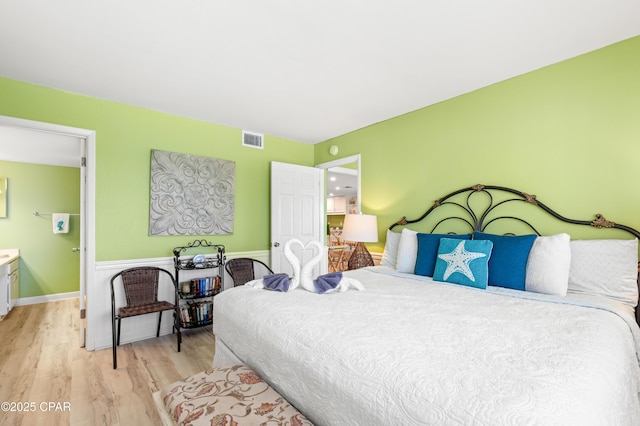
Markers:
point(341, 182)
point(302, 70)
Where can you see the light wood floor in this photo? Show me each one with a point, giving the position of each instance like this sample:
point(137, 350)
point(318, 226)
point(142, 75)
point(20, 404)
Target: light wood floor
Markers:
point(41, 362)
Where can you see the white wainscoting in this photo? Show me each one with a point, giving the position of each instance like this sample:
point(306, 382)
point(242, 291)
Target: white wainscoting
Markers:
point(144, 326)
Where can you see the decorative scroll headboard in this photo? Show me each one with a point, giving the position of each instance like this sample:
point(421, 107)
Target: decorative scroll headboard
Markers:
point(479, 214)
point(479, 220)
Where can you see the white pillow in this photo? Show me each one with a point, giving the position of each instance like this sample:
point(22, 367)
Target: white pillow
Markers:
point(605, 268)
point(548, 265)
point(407, 251)
point(391, 244)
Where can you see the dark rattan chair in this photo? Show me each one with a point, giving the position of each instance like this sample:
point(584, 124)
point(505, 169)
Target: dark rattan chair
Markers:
point(141, 292)
point(244, 269)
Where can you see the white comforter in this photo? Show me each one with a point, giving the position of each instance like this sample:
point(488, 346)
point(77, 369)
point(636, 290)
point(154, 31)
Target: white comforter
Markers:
point(416, 352)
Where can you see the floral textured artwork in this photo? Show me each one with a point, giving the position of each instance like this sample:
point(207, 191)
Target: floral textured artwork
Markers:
point(191, 195)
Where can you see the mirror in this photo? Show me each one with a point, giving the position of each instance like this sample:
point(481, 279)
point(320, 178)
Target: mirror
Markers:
point(3, 197)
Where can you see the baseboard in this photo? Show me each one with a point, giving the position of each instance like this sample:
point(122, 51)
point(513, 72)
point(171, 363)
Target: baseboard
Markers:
point(46, 298)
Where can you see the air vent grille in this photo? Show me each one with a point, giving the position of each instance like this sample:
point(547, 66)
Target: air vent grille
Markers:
point(253, 140)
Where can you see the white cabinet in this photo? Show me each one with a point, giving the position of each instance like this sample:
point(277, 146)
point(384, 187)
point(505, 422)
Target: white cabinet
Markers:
point(342, 205)
point(9, 285)
point(336, 205)
point(14, 283)
point(5, 288)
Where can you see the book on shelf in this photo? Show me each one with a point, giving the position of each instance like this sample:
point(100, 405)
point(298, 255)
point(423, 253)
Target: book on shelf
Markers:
point(201, 286)
point(196, 313)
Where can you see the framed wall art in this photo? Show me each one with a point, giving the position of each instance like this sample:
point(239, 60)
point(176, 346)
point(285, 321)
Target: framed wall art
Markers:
point(191, 195)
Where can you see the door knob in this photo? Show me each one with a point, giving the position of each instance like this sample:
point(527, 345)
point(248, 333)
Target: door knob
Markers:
point(276, 244)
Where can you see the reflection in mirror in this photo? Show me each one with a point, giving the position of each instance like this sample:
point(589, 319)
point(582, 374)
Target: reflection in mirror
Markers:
point(3, 197)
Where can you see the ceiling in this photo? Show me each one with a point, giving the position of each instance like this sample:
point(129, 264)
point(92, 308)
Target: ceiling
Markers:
point(342, 182)
point(301, 70)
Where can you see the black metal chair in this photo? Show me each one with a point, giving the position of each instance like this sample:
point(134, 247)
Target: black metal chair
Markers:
point(245, 269)
point(141, 292)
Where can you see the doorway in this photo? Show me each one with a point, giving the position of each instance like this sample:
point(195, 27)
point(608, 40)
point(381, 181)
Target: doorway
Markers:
point(46, 142)
point(342, 180)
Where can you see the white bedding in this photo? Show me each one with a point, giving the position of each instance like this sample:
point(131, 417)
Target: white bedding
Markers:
point(417, 352)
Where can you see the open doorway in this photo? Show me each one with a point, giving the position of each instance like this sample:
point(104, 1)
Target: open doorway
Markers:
point(29, 141)
point(342, 183)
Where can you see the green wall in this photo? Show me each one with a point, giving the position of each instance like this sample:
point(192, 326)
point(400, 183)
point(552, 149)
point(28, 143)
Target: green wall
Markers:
point(125, 136)
point(569, 133)
point(335, 219)
point(47, 263)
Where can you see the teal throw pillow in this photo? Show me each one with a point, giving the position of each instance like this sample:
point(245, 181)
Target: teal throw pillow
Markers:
point(428, 249)
point(508, 264)
point(463, 262)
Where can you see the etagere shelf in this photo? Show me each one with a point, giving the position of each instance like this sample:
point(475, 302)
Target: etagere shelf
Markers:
point(199, 277)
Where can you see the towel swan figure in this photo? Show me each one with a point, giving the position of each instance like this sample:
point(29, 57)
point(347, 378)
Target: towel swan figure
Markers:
point(303, 276)
point(283, 282)
point(293, 261)
point(326, 283)
point(306, 277)
point(329, 283)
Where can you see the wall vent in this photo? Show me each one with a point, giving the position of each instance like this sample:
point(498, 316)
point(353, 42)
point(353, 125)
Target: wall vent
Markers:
point(254, 140)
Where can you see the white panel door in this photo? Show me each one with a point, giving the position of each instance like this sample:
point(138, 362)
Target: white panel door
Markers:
point(297, 211)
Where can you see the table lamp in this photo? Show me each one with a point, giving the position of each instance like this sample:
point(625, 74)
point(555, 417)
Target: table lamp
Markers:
point(360, 228)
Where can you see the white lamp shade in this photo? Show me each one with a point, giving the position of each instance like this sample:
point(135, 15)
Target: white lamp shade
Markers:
point(360, 228)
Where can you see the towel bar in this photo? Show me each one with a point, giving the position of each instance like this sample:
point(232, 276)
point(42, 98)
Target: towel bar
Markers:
point(44, 214)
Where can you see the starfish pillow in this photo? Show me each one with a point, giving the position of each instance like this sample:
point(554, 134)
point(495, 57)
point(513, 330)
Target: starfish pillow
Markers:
point(464, 262)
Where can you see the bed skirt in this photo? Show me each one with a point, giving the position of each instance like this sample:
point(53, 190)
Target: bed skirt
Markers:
point(224, 356)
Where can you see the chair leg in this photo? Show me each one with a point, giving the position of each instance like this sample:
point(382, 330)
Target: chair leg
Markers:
point(176, 327)
point(159, 322)
point(118, 335)
point(113, 342)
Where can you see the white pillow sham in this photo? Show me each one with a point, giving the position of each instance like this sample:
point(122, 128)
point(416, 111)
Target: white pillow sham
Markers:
point(407, 251)
point(390, 255)
point(605, 268)
point(549, 264)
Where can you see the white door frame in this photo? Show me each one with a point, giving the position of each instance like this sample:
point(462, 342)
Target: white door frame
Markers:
point(89, 206)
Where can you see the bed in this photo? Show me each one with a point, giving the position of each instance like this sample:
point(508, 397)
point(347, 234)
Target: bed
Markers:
point(414, 349)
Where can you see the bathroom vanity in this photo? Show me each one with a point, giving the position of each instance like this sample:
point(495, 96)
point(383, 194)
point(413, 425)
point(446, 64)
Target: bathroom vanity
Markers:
point(9, 279)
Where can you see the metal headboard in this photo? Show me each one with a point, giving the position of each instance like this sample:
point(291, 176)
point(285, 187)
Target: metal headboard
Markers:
point(479, 219)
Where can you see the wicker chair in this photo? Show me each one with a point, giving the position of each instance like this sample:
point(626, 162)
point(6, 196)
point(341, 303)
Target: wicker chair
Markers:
point(141, 292)
point(244, 269)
